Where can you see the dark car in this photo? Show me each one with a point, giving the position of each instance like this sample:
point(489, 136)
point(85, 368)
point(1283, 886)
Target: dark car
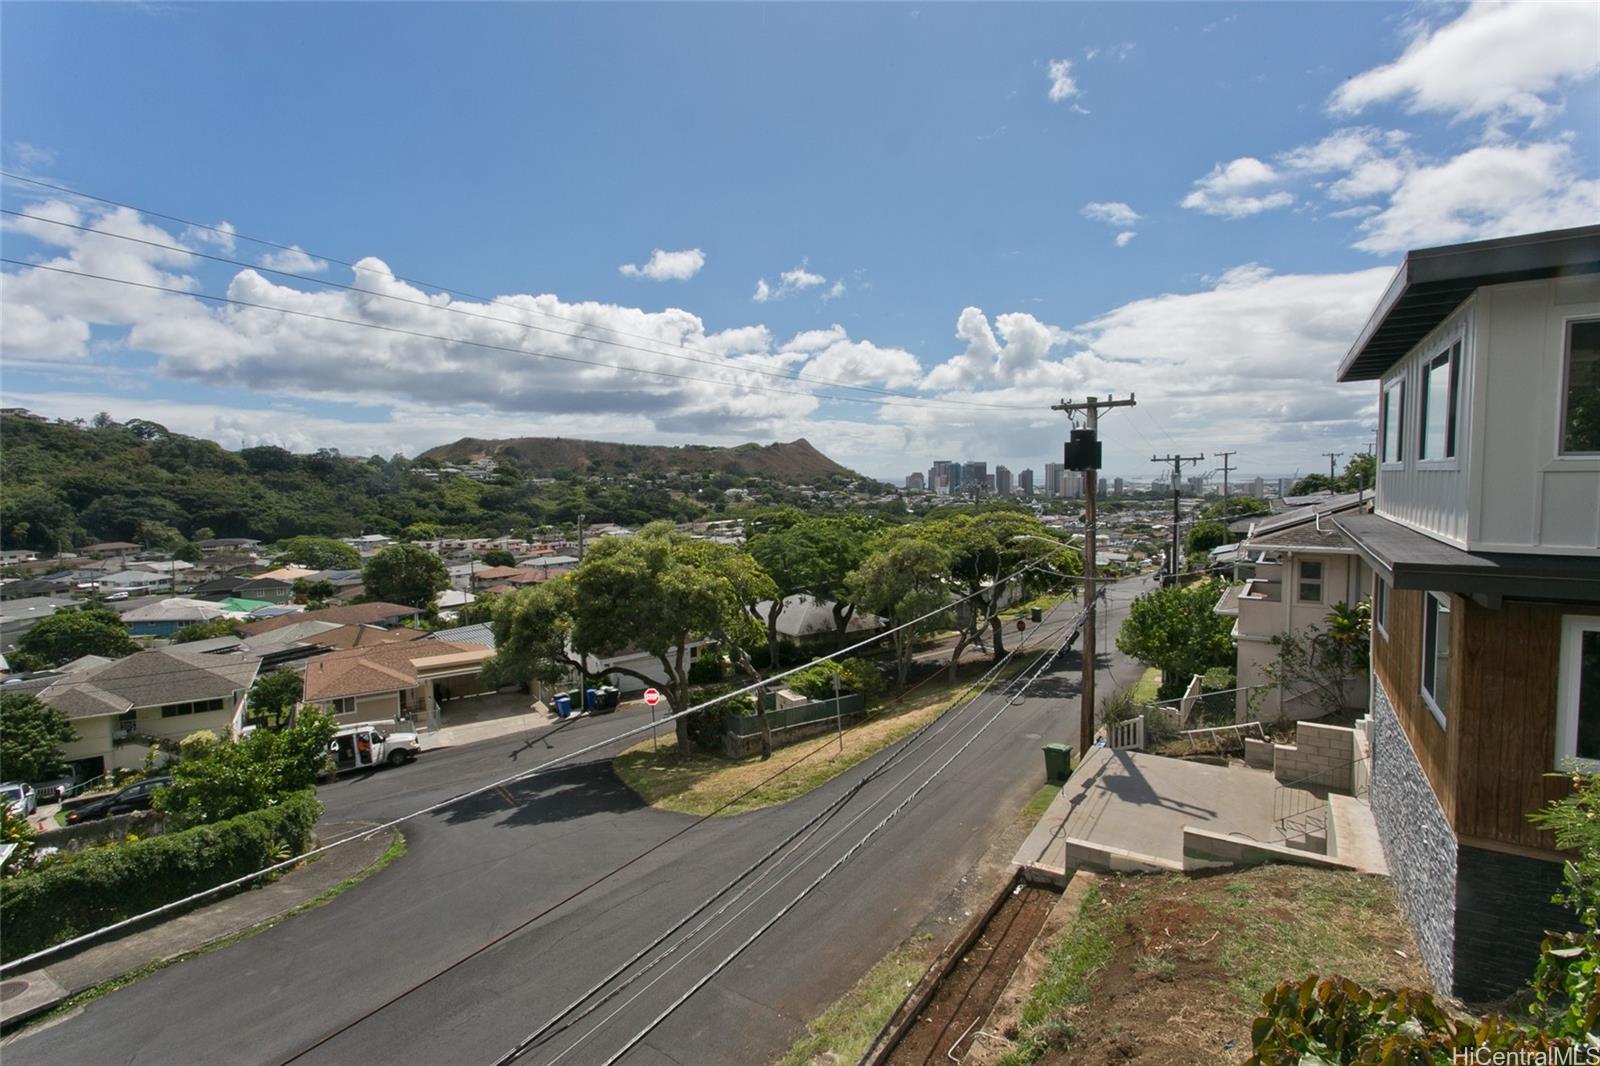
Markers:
point(136, 797)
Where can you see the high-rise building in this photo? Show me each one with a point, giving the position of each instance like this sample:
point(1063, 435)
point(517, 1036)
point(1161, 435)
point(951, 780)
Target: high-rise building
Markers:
point(1100, 487)
point(1285, 486)
point(1072, 482)
point(1197, 486)
point(1116, 487)
point(915, 483)
point(974, 477)
point(955, 478)
point(1052, 479)
point(939, 477)
point(1025, 483)
point(1002, 481)
point(1256, 488)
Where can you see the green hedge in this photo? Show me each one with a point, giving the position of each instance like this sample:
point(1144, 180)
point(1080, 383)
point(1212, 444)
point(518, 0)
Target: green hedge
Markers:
point(94, 888)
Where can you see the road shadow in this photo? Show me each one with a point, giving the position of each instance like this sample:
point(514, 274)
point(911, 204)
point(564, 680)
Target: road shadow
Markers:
point(556, 795)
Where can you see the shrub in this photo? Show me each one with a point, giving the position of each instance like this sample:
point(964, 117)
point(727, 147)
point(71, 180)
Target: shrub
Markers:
point(707, 670)
point(230, 779)
point(94, 888)
point(855, 675)
point(198, 745)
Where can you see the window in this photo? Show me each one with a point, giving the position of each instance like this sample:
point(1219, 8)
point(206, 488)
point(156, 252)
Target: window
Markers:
point(174, 710)
point(1380, 605)
point(1436, 654)
point(1310, 581)
point(343, 705)
point(1392, 422)
point(1578, 694)
point(1580, 399)
point(1439, 405)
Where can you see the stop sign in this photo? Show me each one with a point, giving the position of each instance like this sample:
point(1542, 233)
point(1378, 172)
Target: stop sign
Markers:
point(652, 697)
point(1021, 625)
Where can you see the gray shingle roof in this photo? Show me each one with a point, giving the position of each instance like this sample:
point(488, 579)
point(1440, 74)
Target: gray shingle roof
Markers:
point(149, 679)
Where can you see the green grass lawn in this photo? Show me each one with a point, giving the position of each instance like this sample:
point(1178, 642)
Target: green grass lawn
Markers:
point(844, 1030)
point(1148, 687)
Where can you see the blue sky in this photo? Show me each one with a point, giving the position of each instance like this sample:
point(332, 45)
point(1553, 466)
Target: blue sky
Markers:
point(960, 204)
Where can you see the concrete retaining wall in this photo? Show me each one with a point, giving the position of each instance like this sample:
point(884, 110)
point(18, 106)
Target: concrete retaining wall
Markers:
point(103, 831)
point(1204, 849)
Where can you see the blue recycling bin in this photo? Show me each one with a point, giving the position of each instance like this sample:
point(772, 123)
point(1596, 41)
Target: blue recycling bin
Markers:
point(591, 698)
point(563, 705)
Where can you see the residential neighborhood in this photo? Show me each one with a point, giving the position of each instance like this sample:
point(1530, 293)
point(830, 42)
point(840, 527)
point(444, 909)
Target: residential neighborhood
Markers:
point(1008, 534)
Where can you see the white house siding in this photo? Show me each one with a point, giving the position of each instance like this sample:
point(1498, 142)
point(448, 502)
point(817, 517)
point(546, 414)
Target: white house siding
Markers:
point(94, 738)
point(1557, 510)
point(1433, 495)
point(1507, 424)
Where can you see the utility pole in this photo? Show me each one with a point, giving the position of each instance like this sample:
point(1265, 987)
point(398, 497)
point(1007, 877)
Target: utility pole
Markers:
point(1331, 457)
point(580, 537)
point(1087, 448)
point(1225, 456)
point(1177, 462)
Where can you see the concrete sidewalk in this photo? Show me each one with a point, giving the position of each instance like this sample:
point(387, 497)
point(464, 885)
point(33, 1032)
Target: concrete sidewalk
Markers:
point(28, 994)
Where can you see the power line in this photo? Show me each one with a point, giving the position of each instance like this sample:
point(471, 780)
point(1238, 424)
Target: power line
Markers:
point(823, 815)
point(195, 897)
point(235, 235)
point(721, 364)
point(400, 331)
point(634, 1040)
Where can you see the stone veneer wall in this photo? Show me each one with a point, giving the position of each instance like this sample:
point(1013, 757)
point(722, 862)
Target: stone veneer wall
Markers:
point(1417, 841)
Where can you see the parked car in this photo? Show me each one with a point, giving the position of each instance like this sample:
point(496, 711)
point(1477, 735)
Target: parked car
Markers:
point(21, 798)
point(49, 790)
point(135, 797)
point(359, 747)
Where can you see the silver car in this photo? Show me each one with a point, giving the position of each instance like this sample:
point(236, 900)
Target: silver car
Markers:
point(19, 797)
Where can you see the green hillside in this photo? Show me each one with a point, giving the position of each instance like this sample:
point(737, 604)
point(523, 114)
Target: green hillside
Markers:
point(794, 462)
point(64, 485)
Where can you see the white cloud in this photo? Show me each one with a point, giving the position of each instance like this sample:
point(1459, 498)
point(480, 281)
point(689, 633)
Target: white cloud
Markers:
point(1370, 162)
point(1124, 237)
point(1023, 344)
point(1238, 189)
point(836, 290)
point(1491, 191)
point(667, 266)
point(28, 156)
point(1062, 85)
point(1111, 212)
point(292, 260)
point(222, 236)
point(1497, 61)
point(792, 281)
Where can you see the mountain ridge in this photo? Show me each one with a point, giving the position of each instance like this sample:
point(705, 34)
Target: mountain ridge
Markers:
point(796, 461)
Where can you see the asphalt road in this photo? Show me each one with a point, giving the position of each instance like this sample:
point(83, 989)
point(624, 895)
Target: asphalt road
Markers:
point(479, 868)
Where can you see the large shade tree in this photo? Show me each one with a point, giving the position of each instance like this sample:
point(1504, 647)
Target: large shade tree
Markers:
point(32, 735)
point(657, 592)
point(810, 555)
point(903, 581)
point(317, 553)
point(1176, 630)
point(996, 556)
point(71, 633)
point(405, 573)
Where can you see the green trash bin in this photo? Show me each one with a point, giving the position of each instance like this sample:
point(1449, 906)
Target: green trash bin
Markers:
point(1038, 614)
point(1057, 763)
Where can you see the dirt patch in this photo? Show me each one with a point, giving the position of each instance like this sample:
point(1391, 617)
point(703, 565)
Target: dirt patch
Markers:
point(1191, 956)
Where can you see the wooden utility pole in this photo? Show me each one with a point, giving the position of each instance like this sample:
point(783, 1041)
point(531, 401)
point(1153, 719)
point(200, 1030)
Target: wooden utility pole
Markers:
point(1091, 412)
point(1177, 462)
point(1331, 457)
point(1225, 456)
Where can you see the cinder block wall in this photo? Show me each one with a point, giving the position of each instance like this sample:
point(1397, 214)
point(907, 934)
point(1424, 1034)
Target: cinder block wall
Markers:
point(1321, 752)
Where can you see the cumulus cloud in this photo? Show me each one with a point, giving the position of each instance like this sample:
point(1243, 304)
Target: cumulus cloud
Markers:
point(1496, 61)
point(667, 266)
point(292, 260)
point(792, 281)
point(1062, 85)
point(1494, 190)
point(1111, 212)
point(1366, 162)
point(1238, 189)
point(1124, 237)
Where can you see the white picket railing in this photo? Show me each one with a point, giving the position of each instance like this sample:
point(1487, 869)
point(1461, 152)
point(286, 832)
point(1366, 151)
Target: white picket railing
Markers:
point(1126, 735)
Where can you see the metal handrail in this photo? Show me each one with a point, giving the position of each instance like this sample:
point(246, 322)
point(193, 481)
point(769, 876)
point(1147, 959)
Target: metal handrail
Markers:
point(1294, 804)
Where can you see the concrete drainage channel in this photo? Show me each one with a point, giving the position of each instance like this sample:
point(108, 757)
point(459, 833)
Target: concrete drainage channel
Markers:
point(943, 1016)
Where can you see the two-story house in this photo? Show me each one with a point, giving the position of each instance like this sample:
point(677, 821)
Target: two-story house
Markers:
point(1301, 567)
point(1485, 546)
